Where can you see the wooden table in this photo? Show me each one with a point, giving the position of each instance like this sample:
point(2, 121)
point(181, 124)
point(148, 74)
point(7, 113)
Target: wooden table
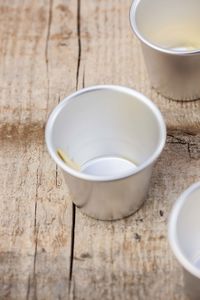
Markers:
point(50, 48)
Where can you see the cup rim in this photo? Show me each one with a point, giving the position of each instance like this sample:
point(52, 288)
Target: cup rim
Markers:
point(116, 88)
point(172, 232)
point(135, 29)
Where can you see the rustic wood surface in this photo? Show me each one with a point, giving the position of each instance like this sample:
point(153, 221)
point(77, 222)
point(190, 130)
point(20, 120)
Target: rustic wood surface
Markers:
point(49, 249)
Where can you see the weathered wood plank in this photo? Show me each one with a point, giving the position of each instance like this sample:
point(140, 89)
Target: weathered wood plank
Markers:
point(35, 220)
point(48, 49)
point(111, 54)
point(131, 259)
point(17, 213)
point(38, 38)
point(39, 53)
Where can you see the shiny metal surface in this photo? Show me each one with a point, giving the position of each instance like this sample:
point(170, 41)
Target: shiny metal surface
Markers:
point(108, 166)
point(183, 234)
point(169, 32)
point(115, 134)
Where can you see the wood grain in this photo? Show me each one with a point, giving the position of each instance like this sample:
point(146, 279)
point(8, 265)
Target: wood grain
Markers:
point(112, 54)
point(35, 220)
point(35, 209)
point(48, 49)
point(131, 259)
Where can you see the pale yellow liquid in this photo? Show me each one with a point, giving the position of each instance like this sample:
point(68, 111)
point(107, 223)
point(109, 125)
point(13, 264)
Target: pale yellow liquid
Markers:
point(178, 39)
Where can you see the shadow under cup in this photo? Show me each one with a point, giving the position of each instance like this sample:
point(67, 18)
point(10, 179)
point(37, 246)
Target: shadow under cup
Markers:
point(114, 134)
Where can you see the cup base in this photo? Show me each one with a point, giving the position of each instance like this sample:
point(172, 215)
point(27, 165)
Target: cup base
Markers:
point(108, 166)
point(111, 218)
point(175, 97)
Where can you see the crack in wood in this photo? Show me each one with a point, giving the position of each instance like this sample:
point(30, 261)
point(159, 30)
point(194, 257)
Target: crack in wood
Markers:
point(72, 244)
point(34, 265)
point(36, 238)
point(83, 82)
point(79, 40)
point(189, 140)
point(189, 133)
point(73, 205)
point(177, 140)
point(28, 288)
point(47, 47)
point(57, 176)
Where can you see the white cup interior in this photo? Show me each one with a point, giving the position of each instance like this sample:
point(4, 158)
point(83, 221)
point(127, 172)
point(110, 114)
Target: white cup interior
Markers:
point(173, 24)
point(107, 122)
point(185, 228)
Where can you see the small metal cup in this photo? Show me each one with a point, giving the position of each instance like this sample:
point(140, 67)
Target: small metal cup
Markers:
point(183, 233)
point(115, 134)
point(169, 32)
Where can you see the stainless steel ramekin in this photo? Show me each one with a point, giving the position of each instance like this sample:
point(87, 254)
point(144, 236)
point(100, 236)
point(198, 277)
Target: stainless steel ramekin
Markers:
point(169, 32)
point(183, 234)
point(115, 134)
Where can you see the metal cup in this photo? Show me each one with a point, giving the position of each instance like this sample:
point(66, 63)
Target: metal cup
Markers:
point(169, 32)
point(183, 233)
point(115, 134)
